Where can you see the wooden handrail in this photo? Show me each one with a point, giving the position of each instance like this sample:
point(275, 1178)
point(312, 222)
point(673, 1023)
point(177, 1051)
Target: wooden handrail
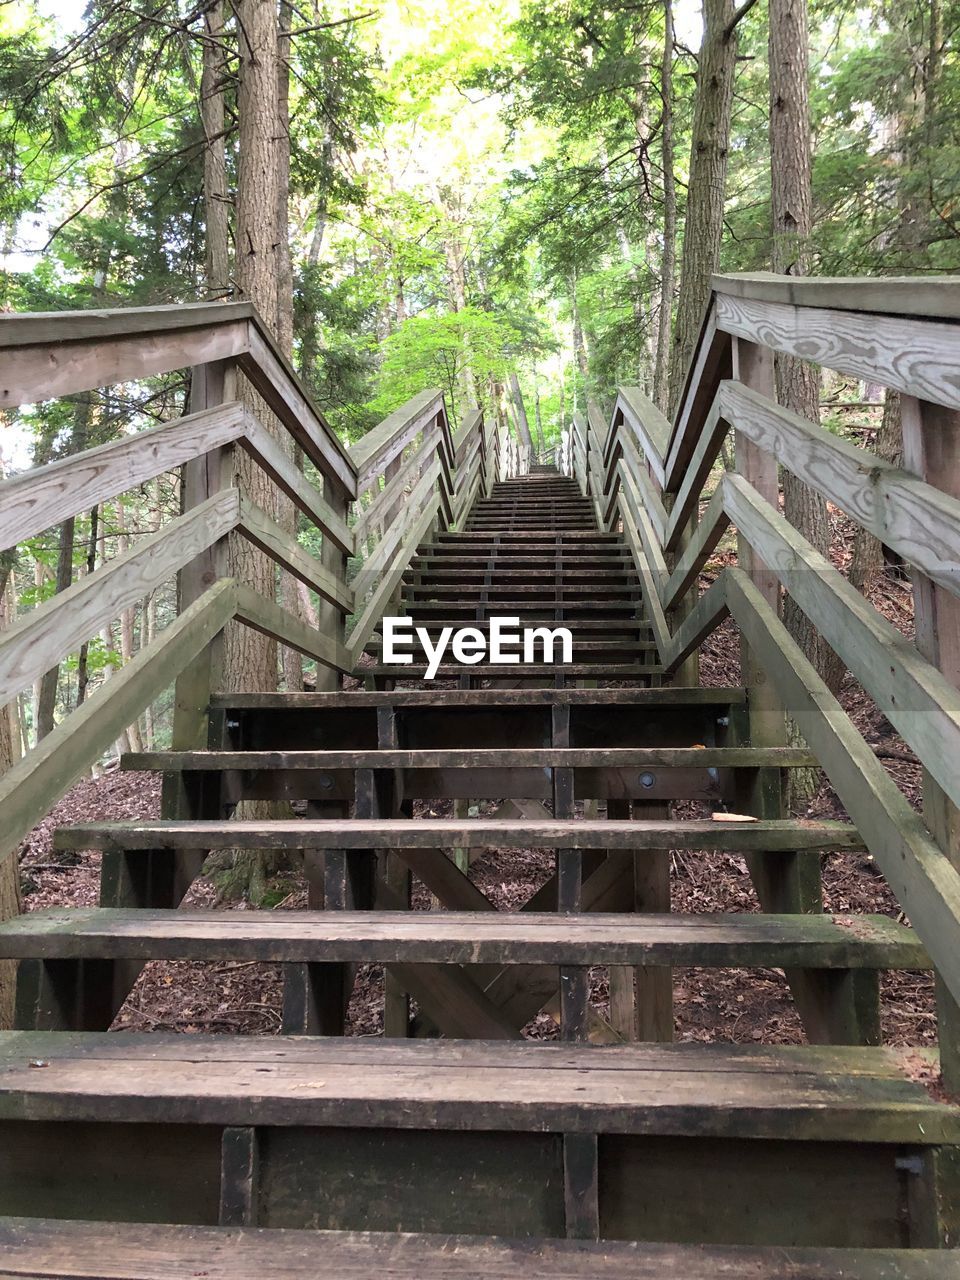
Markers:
point(60, 353)
point(651, 481)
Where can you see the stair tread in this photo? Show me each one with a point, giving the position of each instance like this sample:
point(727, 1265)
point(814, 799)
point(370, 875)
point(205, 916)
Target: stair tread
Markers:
point(790, 1092)
point(581, 670)
point(73, 1250)
point(478, 758)
point(682, 696)
point(363, 833)
point(464, 937)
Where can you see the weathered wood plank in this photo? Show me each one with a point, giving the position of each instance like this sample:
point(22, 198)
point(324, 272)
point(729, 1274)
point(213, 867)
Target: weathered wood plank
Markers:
point(933, 297)
point(320, 1082)
point(689, 565)
point(72, 1250)
point(100, 355)
point(265, 616)
point(272, 375)
point(45, 496)
point(917, 699)
point(466, 937)
point(36, 783)
point(920, 874)
point(264, 532)
point(59, 626)
point(917, 357)
point(261, 445)
point(384, 556)
point(481, 758)
point(374, 608)
point(446, 833)
point(918, 521)
point(395, 490)
point(371, 454)
point(648, 424)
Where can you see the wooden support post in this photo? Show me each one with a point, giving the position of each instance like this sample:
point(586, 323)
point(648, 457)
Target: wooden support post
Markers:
point(840, 1008)
point(331, 622)
point(395, 874)
point(931, 449)
point(239, 1177)
point(574, 979)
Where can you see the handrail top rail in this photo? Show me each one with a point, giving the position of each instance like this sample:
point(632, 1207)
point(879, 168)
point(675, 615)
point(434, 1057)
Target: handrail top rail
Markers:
point(39, 328)
point(378, 446)
point(932, 297)
point(30, 328)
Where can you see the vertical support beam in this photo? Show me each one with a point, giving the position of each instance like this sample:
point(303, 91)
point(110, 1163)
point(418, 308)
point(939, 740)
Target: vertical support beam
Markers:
point(931, 449)
point(837, 1007)
point(239, 1176)
point(396, 875)
point(330, 621)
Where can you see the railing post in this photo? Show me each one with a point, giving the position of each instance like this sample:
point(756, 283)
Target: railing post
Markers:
point(211, 384)
point(330, 620)
point(836, 1006)
point(931, 449)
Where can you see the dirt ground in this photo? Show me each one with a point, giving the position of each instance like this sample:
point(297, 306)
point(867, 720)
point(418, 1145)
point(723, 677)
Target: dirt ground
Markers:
point(742, 1006)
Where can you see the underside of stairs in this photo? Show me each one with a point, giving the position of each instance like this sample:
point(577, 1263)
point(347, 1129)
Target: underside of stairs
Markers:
point(457, 1143)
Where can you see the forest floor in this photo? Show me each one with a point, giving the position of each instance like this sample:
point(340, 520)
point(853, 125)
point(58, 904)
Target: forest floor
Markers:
point(742, 1006)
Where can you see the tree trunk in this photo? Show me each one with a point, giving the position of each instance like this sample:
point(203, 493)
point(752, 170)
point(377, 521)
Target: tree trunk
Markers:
point(523, 426)
point(798, 382)
point(710, 145)
point(251, 658)
point(83, 668)
point(668, 259)
point(216, 208)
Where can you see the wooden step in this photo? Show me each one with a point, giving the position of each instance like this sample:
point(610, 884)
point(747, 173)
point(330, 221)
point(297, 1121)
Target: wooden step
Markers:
point(774, 836)
point(566, 575)
point(605, 649)
point(519, 671)
point(61, 1249)
point(685, 696)
point(548, 549)
point(464, 938)
point(498, 758)
point(531, 605)
point(792, 1093)
point(525, 538)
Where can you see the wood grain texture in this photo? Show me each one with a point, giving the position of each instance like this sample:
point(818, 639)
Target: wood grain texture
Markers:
point(917, 357)
point(465, 937)
point(357, 833)
point(933, 297)
point(650, 428)
point(45, 496)
point(318, 1081)
point(264, 532)
point(71, 1250)
point(916, 520)
point(917, 698)
point(917, 870)
point(62, 366)
point(266, 616)
point(36, 783)
point(60, 625)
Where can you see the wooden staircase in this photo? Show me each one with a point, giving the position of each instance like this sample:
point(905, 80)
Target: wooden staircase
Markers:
point(462, 1141)
point(531, 551)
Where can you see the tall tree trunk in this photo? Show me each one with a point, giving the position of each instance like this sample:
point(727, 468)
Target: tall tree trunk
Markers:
point(668, 259)
point(798, 382)
point(709, 149)
point(216, 208)
point(523, 426)
point(251, 658)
